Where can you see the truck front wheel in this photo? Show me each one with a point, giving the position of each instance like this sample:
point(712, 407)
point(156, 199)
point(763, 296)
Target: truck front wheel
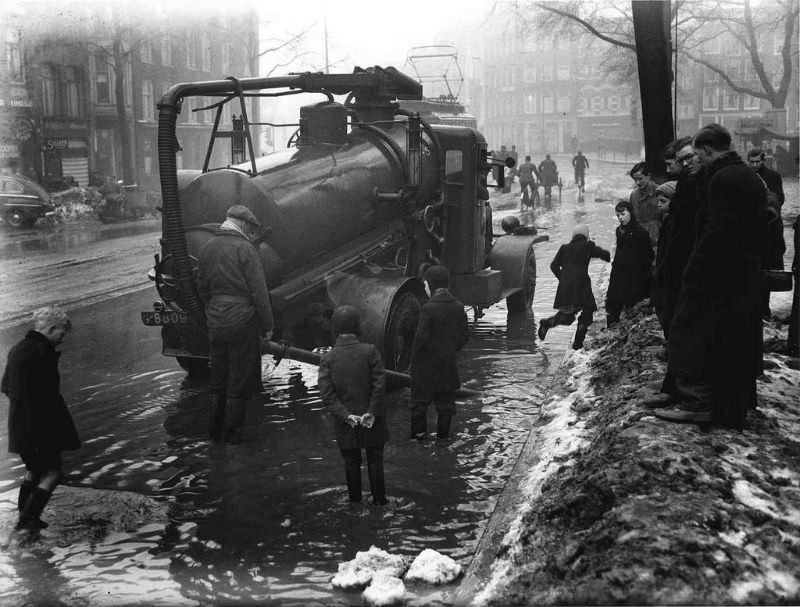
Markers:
point(521, 302)
point(400, 330)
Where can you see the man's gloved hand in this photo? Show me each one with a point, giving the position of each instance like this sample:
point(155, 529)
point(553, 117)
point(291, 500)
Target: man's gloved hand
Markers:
point(353, 420)
point(367, 420)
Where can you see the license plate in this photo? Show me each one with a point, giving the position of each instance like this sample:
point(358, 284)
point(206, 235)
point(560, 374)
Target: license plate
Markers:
point(167, 317)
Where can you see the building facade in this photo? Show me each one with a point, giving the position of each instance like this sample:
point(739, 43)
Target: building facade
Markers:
point(81, 123)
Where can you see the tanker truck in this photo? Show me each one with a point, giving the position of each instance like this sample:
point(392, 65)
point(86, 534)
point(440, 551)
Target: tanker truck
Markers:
point(364, 197)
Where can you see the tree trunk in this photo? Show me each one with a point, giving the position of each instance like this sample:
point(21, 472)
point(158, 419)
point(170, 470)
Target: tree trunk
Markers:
point(651, 29)
point(128, 169)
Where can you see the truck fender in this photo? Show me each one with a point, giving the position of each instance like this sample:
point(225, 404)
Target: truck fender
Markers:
point(514, 256)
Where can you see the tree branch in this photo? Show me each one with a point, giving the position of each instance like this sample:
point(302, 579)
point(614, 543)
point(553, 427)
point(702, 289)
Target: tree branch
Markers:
point(585, 24)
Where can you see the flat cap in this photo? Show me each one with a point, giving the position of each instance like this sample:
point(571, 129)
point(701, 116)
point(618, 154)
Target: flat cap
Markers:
point(239, 211)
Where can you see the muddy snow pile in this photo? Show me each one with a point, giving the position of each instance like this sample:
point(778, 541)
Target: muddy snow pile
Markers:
point(637, 510)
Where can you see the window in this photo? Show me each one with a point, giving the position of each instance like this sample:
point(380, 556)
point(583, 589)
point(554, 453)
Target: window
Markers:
point(102, 79)
point(613, 102)
point(731, 100)
point(733, 48)
point(563, 104)
point(710, 75)
point(71, 97)
point(146, 52)
point(597, 103)
point(547, 104)
point(562, 72)
point(685, 111)
point(547, 73)
point(166, 51)
point(205, 43)
point(225, 53)
point(529, 73)
point(734, 70)
point(530, 104)
point(751, 103)
point(710, 98)
point(148, 102)
point(13, 56)
point(192, 51)
point(48, 90)
point(582, 103)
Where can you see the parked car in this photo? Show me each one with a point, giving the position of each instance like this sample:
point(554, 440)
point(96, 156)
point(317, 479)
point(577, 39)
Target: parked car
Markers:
point(23, 201)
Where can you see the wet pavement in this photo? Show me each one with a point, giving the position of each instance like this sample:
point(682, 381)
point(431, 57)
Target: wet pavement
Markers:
point(268, 521)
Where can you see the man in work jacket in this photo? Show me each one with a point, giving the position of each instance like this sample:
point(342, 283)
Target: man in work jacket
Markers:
point(232, 286)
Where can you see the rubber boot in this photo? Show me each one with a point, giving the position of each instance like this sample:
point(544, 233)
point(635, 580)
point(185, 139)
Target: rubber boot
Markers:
point(544, 326)
point(443, 424)
point(234, 420)
point(580, 335)
point(216, 416)
point(353, 476)
point(377, 485)
point(419, 424)
point(32, 510)
point(25, 490)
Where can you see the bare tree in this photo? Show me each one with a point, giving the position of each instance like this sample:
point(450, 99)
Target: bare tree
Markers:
point(698, 23)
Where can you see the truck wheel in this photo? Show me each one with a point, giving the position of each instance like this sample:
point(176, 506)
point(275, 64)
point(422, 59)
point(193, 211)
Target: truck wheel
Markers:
point(403, 319)
point(195, 367)
point(521, 302)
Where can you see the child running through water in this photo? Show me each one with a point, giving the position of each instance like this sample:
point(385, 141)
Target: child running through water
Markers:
point(574, 293)
point(352, 384)
point(630, 271)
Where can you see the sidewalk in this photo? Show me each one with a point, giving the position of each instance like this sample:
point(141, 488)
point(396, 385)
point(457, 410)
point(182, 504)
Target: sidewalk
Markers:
point(607, 504)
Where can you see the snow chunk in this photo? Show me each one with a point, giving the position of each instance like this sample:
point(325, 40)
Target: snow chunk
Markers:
point(432, 567)
point(384, 590)
point(360, 571)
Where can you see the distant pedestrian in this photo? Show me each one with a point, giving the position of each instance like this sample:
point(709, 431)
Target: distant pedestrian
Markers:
point(630, 271)
point(352, 385)
point(774, 246)
point(643, 200)
point(529, 190)
point(233, 288)
point(664, 194)
point(548, 173)
point(574, 294)
point(441, 332)
point(580, 163)
point(713, 354)
point(40, 426)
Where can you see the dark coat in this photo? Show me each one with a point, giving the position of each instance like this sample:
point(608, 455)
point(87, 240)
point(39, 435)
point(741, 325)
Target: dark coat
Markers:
point(645, 210)
point(676, 245)
point(571, 267)
point(715, 333)
point(442, 331)
point(548, 172)
point(38, 418)
point(352, 382)
point(231, 282)
point(774, 245)
point(630, 271)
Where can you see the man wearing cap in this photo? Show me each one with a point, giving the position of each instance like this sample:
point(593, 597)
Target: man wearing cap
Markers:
point(441, 332)
point(232, 286)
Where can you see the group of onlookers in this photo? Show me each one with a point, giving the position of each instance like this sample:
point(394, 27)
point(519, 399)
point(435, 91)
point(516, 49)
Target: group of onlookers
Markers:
point(698, 246)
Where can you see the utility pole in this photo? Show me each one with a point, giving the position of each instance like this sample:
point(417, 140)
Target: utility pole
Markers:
point(651, 19)
point(325, 34)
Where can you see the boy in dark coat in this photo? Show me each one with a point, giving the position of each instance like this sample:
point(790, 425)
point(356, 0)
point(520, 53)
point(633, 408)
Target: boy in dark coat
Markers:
point(442, 331)
point(574, 294)
point(40, 426)
point(352, 384)
point(630, 271)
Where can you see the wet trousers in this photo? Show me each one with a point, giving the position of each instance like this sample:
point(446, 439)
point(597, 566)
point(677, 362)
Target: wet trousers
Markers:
point(445, 403)
point(567, 318)
point(352, 468)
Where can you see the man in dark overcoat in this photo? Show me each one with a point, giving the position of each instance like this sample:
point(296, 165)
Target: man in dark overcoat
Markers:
point(40, 426)
point(574, 294)
point(711, 345)
point(233, 288)
point(774, 246)
point(442, 331)
point(548, 171)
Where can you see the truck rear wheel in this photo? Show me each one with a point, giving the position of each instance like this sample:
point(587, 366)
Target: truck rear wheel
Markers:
point(195, 367)
point(521, 302)
point(403, 319)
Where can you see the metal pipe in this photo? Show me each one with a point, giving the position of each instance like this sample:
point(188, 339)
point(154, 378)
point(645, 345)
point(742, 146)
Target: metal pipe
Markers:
point(313, 358)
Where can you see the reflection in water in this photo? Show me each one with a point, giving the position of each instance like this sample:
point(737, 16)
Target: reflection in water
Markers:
point(269, 520)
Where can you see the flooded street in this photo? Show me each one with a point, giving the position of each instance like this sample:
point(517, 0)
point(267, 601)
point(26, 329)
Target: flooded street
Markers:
point(269, 520)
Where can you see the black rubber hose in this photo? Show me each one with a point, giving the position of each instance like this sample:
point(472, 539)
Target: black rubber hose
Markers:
point(172, 221)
